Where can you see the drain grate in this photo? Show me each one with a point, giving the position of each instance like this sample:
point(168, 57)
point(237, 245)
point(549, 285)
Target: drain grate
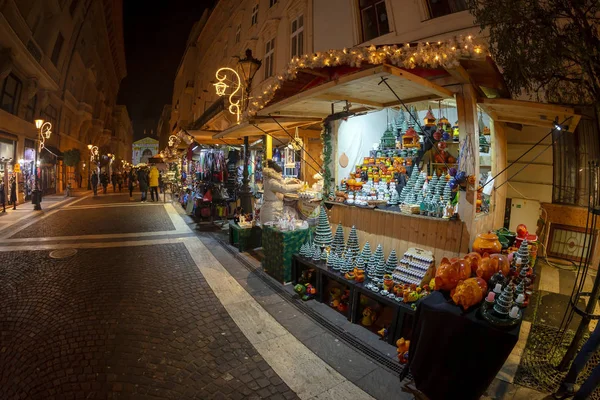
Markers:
point(355, 343)
point(63, 253)
point(537, 369)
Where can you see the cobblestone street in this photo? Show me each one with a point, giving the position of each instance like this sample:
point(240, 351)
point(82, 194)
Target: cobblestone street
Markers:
point(119, 321)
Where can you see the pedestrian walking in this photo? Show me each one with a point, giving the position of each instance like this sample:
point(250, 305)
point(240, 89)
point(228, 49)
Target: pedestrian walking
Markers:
point(94, 181)
point(161, 184)
point(132, 178)
point(13, 193)
point(120, 181)
point(104, 182)
point(125, 177)
point(142, 177)
point(567, 387)
point(80, 180)
point(113, 180)
point(153, 180)
point(3, 197)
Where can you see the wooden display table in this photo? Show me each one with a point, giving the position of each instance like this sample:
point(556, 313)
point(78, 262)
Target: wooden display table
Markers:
point(395, 316)
point(279, 247)
point(244, 238)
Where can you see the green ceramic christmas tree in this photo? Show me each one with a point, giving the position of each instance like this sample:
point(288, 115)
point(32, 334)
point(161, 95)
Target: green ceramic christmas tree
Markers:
point(391, 263)
point(366, 252)
point(331, 260)
point(504, 302)
point(304, 250)
point(379, 265)
point(338, 240)
point(316, 257)
point(324, 256)
point(323, 235)
point(360, 263)
point(522, 254)
point(339, 262)
point(352, 248)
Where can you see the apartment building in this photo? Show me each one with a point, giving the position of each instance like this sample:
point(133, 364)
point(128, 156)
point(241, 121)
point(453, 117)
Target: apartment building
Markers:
point(62, 61)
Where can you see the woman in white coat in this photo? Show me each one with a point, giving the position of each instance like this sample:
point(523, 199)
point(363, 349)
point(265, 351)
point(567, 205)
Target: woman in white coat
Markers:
point(274, 188)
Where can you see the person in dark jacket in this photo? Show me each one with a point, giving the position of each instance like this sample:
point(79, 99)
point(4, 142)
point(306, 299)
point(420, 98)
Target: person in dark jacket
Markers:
point(94, 181)
point(113, 180)
point(142, 177)
point(104, 182)
point(3, 197)
point(13, 193)
point(120, 181)
point(131, 180)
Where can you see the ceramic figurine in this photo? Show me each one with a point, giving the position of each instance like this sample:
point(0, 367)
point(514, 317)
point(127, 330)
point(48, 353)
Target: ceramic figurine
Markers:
point(368, 316)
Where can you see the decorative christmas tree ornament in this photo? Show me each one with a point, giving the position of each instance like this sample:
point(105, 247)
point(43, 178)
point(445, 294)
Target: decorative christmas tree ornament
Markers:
point(323, 235)
point(324, 256)
point(331, 260)
point(352, 248)
point(338, 240)
point(522, 256)
point(366, 252)
point(316, 257)
point(391, 263)
point(502, 312)
point(303, 250)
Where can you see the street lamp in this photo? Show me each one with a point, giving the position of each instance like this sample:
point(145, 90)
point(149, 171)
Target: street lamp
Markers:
point(248, 66)
point(93, 153)
point(44, 131)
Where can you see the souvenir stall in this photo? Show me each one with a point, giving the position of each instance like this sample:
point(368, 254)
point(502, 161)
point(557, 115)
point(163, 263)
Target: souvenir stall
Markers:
point(411, 149)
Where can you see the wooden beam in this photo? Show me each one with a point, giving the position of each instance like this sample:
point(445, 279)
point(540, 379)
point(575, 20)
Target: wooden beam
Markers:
point(413, 100)
point(528, 104)
point(460, 74)
point(427, 85)
point(354, 100)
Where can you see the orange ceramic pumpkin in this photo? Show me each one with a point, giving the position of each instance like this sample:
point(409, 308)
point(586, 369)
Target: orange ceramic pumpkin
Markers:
point(487, 243)
point(469, 292)
point(502, 263)
point(474, 259)
point(449, 273)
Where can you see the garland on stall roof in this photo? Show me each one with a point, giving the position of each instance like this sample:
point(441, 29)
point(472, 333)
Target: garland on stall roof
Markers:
point(445, 54)
point(326, 156)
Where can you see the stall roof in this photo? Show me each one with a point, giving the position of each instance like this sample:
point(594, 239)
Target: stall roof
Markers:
point(529, 113)
point(361, 88)
point(268, 124)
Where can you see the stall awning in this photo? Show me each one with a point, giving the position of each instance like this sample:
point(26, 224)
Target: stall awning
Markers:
point(529, 113)
point(362, 89)
point(270, 125)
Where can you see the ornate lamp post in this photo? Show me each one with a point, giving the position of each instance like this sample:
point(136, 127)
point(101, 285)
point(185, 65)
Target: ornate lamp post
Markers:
point(93, 154)
point(44, 131)
point(247, 66)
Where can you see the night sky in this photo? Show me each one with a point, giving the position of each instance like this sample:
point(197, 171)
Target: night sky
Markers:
point(155, 36)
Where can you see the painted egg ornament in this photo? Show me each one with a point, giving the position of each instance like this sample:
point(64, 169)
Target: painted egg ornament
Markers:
point(437, 135)
point(442, 146)
point(452, 171)
point(461, 177)
point(445, 136)
point(453, 184)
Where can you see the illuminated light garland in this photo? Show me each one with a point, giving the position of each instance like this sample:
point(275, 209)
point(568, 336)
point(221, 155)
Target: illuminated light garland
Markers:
point(445, 54)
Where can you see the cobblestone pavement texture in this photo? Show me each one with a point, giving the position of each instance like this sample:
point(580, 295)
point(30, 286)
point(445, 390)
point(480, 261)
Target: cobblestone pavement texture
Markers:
point(108, 220)
point(122, 323)
point(109, 199)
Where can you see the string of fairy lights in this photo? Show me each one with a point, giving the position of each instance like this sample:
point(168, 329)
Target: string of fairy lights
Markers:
point(441, 54)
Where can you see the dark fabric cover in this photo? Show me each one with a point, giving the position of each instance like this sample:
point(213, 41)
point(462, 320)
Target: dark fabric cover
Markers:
point(456, 355)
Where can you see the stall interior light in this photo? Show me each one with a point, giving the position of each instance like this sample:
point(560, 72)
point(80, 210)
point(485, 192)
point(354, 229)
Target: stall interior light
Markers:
point(195, 147)
point(255, 143)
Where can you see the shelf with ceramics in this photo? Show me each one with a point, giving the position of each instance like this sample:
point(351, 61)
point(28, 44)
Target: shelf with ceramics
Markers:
point(497, 283)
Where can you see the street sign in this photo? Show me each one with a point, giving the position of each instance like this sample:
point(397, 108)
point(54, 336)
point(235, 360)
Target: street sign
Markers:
point(17, 168)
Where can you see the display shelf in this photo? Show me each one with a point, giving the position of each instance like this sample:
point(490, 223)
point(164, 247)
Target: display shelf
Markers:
point(398, 323)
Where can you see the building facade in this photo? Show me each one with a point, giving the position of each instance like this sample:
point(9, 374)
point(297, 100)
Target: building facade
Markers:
point(144, 149)
point(163, 130)
point(61, 61)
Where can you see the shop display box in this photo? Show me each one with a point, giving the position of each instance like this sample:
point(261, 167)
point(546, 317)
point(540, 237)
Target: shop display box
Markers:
point(244, 238)
point(279, 248)
point(383, 312)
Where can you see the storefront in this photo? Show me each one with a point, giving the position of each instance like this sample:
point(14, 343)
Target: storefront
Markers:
point(413, 157)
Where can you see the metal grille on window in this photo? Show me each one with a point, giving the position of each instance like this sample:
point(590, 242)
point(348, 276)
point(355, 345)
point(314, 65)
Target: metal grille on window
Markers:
point(571, 153)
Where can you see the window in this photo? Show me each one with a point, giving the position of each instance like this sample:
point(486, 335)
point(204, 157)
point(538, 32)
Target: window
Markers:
point(57, 48)
point(73, 7)
point(439, 8)
point(11, 92)
point(67, 126)
point(272, 3)
point(269, 56)
point(254, 15)
point(30, 111)
point(571, 153)
point(373, 17)
point(238, 33)
point(50, 115)
point(298, 36)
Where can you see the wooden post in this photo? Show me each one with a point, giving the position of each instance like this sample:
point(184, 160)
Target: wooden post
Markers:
point(268, 141)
